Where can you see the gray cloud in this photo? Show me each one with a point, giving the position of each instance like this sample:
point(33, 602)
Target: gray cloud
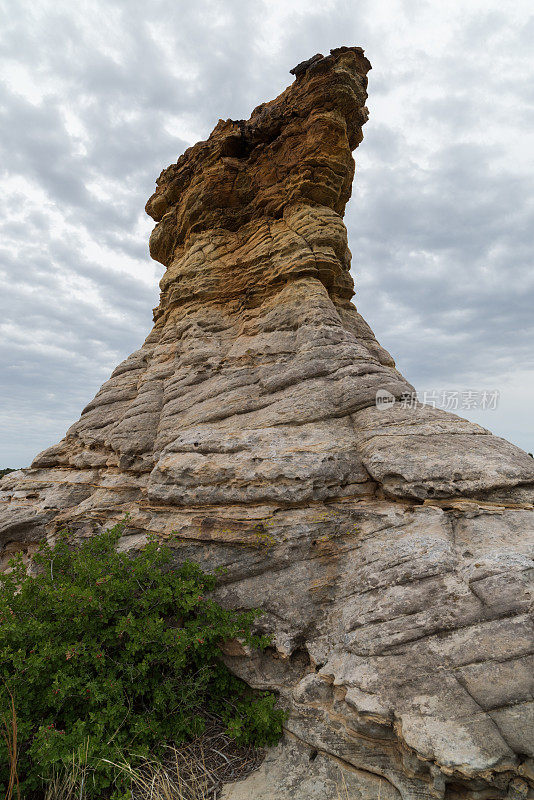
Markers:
point(94, 103)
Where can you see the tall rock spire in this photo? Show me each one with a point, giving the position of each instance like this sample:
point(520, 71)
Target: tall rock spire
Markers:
point(386, 543)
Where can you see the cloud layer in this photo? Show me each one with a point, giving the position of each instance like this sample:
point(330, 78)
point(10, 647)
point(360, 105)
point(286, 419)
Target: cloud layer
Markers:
point(96, 99)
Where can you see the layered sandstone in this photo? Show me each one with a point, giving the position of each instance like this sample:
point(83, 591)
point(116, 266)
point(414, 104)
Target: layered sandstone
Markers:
point(388, 547)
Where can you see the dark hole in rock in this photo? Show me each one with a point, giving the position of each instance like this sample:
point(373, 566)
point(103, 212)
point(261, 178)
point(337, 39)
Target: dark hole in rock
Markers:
point(236, 147)
point(313, 755)
point(300, 657)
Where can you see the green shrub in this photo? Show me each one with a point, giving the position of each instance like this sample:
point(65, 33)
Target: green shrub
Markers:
point(106, 652)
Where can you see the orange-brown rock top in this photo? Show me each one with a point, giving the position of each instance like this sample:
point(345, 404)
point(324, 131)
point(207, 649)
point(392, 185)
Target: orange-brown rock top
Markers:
point(294, 149)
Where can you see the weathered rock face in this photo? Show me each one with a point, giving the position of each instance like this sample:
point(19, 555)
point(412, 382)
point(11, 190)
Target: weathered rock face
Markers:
point(388, 547)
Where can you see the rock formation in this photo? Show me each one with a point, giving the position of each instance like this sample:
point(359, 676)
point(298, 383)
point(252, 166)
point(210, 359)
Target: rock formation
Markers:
point(387, 546)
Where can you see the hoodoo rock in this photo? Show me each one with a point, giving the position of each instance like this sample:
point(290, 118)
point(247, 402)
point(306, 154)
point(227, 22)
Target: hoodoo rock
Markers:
point(388, 545)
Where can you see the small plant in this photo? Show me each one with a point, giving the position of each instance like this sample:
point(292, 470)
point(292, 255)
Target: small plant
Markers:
point(104, 652)
point(264, 540)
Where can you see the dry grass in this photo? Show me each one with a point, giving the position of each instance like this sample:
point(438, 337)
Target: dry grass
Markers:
point(194, 771)
point(10, 736)
point(149, 780)
point(343, 792)
point(153, 780)
point(70, 783)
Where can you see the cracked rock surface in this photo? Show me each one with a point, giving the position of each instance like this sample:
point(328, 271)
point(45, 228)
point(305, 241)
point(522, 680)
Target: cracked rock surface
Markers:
point(391, 548)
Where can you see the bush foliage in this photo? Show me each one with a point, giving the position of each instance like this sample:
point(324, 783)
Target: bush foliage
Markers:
point(106, 652)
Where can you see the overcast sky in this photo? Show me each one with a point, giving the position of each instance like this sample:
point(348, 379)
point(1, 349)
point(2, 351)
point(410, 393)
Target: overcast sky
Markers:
point(96, 97)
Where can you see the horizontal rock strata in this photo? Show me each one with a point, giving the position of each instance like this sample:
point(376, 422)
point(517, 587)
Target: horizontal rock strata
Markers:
point(390, 547)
